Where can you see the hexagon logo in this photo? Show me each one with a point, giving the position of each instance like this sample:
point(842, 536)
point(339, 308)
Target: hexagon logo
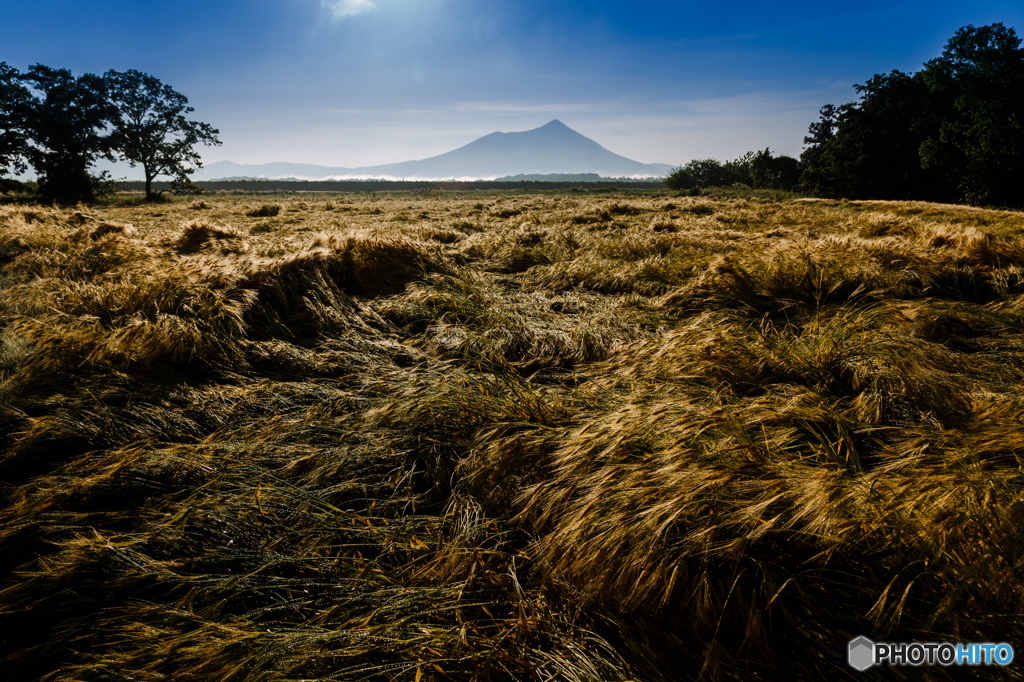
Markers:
point(862, 653)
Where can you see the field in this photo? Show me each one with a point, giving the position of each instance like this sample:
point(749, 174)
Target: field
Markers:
point(506, 436)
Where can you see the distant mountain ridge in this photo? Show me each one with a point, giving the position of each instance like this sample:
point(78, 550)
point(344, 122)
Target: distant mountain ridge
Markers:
point(554, 148)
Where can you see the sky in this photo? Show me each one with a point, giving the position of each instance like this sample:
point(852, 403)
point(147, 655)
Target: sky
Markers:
point(367, 82)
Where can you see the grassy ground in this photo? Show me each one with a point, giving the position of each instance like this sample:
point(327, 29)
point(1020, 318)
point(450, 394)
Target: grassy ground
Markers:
point(506, 437)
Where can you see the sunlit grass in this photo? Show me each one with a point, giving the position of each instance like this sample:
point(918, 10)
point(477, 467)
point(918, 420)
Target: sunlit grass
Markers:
point(506, 436)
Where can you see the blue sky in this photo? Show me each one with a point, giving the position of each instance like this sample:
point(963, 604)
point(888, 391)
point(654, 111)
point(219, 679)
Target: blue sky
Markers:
point(362, 82)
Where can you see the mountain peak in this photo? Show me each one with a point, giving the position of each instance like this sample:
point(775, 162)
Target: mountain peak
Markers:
point(554, 126)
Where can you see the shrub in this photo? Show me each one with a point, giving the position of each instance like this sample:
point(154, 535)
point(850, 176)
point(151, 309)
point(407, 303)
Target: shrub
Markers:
point(265, 211)
point(197, 233)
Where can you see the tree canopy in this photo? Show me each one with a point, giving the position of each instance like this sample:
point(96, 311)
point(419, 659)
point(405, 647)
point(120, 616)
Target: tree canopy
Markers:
point(14, 98)
point(774, 172)
point(952, 132)
point(759, 170)
point(61, 125)
point(65, 122)
point(979, 141)
point(821, 131)
point(703, 173)
point(150, 128)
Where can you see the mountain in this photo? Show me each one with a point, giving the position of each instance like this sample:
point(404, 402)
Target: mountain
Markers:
point(552, 148)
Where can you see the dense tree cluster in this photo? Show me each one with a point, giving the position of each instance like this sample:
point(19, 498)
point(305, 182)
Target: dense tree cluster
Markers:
point(952, 132)
point(60, 125)
point(759, 170)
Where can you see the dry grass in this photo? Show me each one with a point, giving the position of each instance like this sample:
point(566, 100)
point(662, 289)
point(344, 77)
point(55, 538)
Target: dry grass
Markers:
point(506, 436)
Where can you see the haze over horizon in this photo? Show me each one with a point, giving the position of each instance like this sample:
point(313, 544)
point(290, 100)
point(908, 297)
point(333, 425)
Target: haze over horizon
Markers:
point(370, 82)
point(553, 148)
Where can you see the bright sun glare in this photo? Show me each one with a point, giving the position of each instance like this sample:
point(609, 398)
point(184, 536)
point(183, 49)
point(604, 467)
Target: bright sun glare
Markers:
point(347, 8)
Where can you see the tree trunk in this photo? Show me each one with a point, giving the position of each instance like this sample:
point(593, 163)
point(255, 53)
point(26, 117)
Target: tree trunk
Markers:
point(149, 181)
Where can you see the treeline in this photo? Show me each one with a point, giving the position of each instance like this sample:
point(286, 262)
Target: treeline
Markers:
point(61, 125)
point(952, 132)
point(760, 170)
point(574, 177)
point(393, 185)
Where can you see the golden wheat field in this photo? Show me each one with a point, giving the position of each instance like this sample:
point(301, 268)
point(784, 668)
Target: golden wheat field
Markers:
point(522, 436)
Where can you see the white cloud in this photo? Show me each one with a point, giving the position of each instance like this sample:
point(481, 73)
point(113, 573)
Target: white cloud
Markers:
point(339, 9)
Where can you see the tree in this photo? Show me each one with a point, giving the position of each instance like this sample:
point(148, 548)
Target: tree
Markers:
point(978, 86)
point(680, 178)
point(821, 131)
point(65, 119)
point(952, 132)
point(14, 101)
point(874, 152)
point(150, 128)
point(737, 171)
point(773, 172)
point(705, 173)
